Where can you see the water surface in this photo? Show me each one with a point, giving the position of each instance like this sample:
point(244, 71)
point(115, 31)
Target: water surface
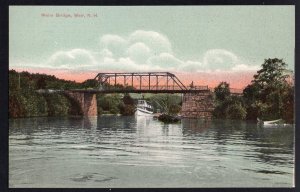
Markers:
point(115, 151)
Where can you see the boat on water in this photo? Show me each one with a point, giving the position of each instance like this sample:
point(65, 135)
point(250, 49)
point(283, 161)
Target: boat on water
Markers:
point(271, 123)
point(166, 118)
point(144, 108)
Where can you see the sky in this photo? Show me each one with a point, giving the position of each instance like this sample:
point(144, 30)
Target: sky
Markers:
point(203, 44)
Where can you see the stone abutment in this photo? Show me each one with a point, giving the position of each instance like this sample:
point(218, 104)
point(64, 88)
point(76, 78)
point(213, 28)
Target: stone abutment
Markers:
point(197, 105)
point(86, 101)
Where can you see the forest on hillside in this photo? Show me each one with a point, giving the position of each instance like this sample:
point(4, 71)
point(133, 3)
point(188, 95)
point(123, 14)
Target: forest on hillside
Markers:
point(25, 101)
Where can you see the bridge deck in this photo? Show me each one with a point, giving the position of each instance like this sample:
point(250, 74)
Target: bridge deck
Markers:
point(138, 91)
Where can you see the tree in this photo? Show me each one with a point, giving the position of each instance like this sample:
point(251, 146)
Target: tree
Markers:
point(235, 111)
point(127, 105)
point(127, 100)
point(250, 96)
point(272, 73)
point(228, 106)
point(126, 109)
point(41, 83)
point(90, 83)
point(166, 103)
point(265, 96)
point(288, 102)
point(222, 91)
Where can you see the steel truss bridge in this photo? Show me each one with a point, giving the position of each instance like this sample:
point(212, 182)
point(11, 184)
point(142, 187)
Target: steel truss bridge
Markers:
point(150, 82)
point(143, 82)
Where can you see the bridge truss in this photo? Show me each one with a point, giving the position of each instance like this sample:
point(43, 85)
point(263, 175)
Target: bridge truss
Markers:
point(151, 82)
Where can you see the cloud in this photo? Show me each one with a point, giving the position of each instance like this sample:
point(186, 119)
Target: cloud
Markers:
point(156, 41)
point(125, 64)
point(244, 67)
point(114, 43)
point(192, 66)
point(105, 53)
point(152, 50)
point(150, 41)
point(219, 59)
point(74, 59)
point(165, 60)
point(140, 51)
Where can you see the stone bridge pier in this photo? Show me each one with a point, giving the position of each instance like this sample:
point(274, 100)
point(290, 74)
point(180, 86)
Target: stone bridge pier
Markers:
point(197, 105)
point(87, 102)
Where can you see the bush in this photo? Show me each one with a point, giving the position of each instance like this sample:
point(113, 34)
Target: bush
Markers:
point(114, 109)
point(236, 111)
point(26, 103)
point(127, 110)
point(58, 105)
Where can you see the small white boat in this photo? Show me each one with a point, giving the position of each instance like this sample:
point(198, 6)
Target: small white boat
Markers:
point(144, 108)
point(273, 122)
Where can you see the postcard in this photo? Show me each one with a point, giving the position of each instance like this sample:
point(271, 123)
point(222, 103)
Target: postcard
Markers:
point(151, 96)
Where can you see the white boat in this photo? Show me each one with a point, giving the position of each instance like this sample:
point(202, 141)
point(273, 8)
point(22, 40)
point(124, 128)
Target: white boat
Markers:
point(273, 122)
point(144, 108)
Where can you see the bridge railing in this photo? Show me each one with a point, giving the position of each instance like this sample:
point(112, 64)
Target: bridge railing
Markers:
point(236, 91)
point(155, 87)
point(198, 87)
point(232, 90)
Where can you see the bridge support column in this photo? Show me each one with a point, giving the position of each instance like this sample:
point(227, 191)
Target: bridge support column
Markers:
point(197, 105)
point(86, 101)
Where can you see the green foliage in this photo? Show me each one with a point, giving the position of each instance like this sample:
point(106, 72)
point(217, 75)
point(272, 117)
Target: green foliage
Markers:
point(114, 102)
point(170, 104)
point(109, 103)
point(235, 111)
point(219, 111)
point(227, 106)
point(41, 83)
point(288, 104)
point(99, 110)
point(127, 100)
point(58, 105)
point(127, 106)
point(250, 96)
point(90, 83)
point(24, 101)
point(114, 109)
point(222, 91)
point(126, 109)
point(174, 109)
point(272, 73)
point(16, 107)
point(103, 102)
point(270, 96)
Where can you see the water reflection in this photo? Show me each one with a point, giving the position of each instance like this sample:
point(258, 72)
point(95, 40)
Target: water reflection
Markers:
point(195, 152)
point(195, 126)
point(276, 140)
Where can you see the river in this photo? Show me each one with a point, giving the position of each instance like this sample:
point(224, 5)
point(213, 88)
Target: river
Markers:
point(116, 151)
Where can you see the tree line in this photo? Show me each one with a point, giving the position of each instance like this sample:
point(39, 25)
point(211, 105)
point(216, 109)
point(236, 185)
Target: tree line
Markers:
point(269, 96)
point(24, 101)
